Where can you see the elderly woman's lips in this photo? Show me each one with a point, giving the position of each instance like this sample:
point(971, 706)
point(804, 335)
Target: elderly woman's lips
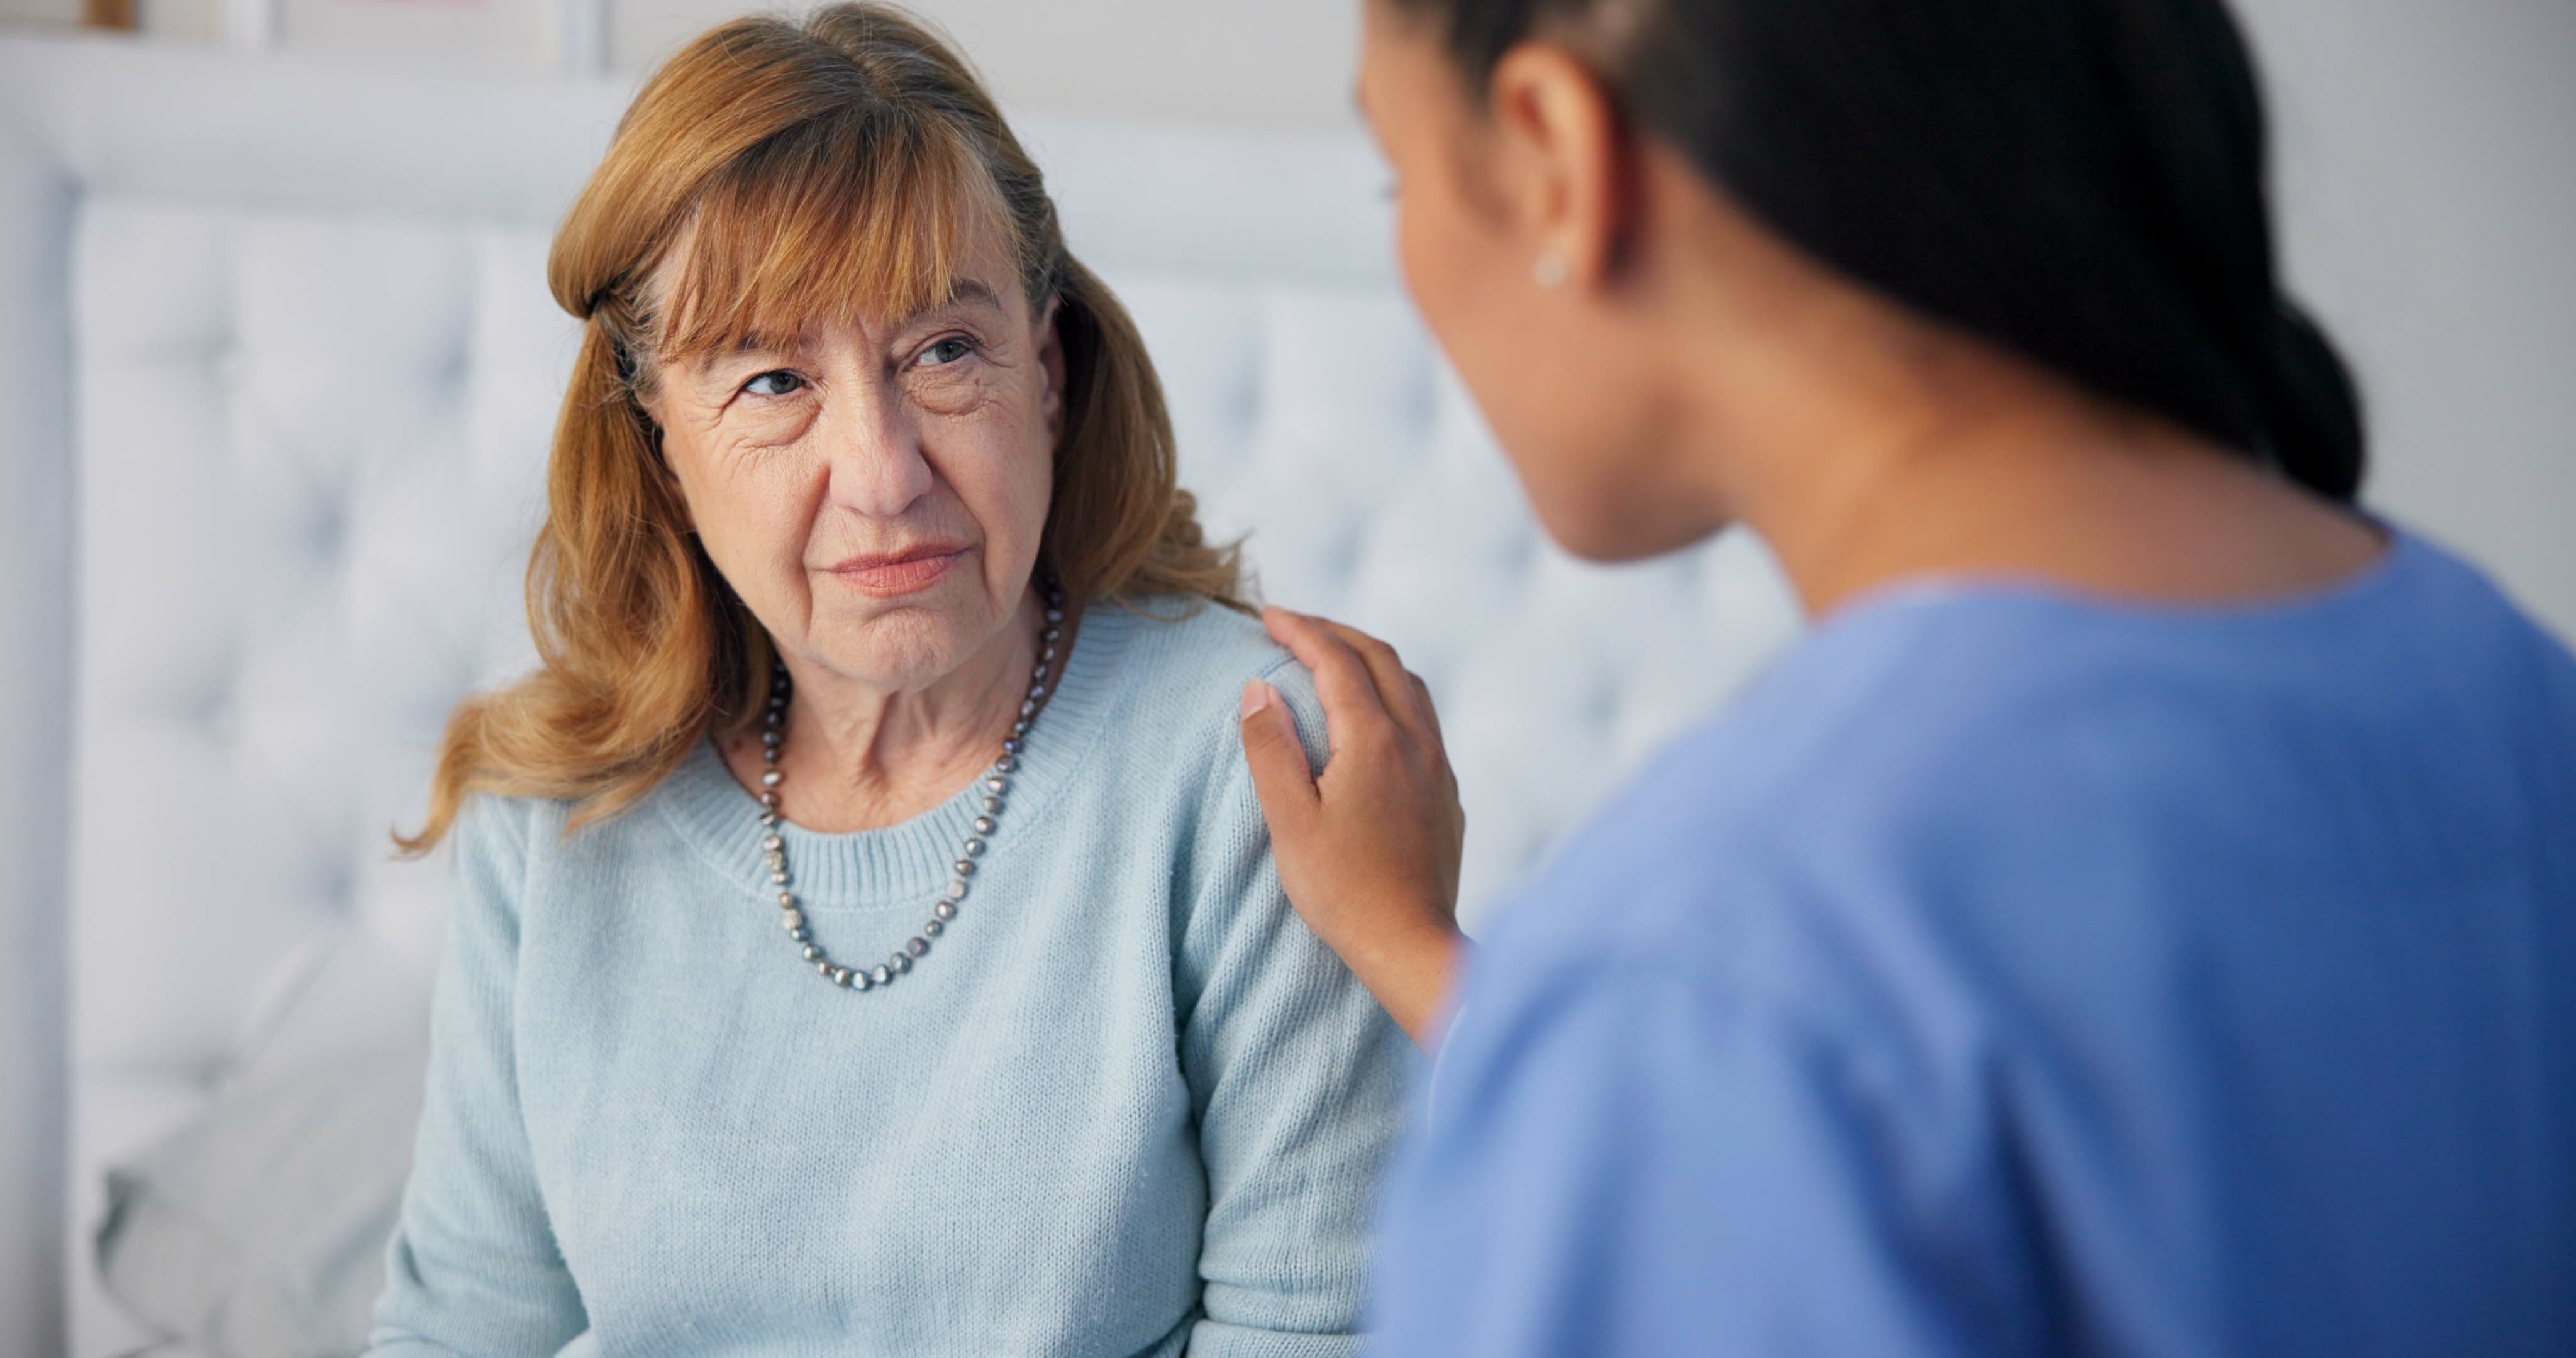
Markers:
point(904, 573)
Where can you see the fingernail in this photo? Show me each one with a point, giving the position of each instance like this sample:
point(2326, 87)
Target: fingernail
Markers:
point(1256, 696)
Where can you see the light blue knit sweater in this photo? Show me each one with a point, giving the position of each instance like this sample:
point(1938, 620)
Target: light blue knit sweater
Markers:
point(1127, 1104)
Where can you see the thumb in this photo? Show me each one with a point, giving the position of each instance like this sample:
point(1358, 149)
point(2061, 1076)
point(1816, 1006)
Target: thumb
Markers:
point(1280, 776)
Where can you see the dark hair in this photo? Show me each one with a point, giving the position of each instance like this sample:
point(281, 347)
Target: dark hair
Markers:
point(2082, 181)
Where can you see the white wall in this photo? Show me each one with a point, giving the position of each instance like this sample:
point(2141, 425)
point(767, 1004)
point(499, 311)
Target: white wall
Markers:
point(1282, 63)
point(1257, 63)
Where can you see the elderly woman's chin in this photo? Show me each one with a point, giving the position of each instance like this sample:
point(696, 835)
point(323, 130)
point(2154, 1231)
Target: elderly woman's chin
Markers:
point(909, 623)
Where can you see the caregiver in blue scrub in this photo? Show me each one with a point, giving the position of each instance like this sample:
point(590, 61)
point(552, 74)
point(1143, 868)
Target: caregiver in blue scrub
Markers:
point(2139, 917)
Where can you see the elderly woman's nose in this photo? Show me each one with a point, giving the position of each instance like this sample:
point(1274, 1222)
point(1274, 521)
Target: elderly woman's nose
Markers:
point(878, 465)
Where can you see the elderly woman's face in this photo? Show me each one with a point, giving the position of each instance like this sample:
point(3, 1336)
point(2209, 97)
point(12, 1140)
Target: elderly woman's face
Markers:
point(876, 492)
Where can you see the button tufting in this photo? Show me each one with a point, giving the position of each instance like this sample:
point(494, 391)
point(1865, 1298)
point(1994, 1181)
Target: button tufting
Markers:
point(216, 710)
point(1243, 405)
point(326, 531)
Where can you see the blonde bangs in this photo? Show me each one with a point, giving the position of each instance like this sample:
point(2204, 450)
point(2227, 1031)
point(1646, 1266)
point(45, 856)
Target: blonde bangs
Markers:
point(827, 223)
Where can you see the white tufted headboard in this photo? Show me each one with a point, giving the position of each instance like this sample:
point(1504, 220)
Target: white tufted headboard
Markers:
point(281, 368)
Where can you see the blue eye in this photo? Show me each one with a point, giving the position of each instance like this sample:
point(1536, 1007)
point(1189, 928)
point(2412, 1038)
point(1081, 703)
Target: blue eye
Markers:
point(947, 351)
point(753, 386)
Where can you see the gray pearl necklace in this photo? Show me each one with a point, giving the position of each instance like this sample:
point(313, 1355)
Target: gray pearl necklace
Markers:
point(997, 784)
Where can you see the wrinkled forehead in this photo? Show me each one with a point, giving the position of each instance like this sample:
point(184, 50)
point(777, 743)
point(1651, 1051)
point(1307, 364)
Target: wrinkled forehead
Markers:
point(770, 256)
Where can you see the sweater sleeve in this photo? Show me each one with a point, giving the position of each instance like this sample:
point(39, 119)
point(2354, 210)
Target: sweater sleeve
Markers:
point(473, 1267)
point(1295, 1078)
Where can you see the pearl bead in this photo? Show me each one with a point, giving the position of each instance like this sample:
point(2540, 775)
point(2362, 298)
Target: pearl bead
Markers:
point(801, 934)
point(917, 947)
point(841, 977)
point(984, 825)
point(945, 910)
point(792, 919)
point(773, 843)
point(900, 961)
point(997, 785)
point(992, 806)
point(957, 890)
point(974, 848)
point(881, 975)
point(813, 953)
point(933, 928)
point(772, 778)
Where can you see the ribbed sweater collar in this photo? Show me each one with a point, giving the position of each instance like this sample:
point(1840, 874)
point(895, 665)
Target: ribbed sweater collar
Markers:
point(907, 865)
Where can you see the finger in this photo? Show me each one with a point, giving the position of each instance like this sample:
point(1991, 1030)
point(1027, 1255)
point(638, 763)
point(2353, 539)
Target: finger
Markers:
point(1342, 682)
point(1280, 776)
point(1317, 640)
point(1430, 709)
point(1404, 694)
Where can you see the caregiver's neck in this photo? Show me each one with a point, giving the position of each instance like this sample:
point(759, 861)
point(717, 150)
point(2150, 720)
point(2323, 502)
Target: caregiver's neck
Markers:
point(1868, 445)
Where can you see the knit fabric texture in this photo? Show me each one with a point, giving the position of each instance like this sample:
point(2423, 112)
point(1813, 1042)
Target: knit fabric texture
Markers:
point(1127, 1104)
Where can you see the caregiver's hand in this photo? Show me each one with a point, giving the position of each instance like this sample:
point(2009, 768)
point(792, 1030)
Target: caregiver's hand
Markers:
point(1368, 852)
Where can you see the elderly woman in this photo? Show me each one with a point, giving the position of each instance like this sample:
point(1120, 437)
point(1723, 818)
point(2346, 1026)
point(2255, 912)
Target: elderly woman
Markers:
point(867, 938)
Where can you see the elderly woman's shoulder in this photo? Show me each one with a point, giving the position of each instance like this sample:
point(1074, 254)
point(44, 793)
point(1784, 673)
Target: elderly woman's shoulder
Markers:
point(1195, 655)
point(508, 826)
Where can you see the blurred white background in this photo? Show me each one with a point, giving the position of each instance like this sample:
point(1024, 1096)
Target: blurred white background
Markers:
point(1276, 63)
point(2423, 150)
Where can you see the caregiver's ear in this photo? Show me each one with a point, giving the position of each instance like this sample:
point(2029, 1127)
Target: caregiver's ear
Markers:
point(1561, 162)
point(1051, 360)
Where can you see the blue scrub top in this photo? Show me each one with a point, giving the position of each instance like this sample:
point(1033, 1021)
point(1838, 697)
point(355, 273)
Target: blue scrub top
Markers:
point(2016, 972)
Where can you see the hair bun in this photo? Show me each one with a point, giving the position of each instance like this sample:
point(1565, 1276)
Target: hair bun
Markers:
point(2311, 409)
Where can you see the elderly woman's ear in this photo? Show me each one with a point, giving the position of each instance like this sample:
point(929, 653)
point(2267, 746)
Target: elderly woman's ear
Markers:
point(653, 437)
point(1051, 356)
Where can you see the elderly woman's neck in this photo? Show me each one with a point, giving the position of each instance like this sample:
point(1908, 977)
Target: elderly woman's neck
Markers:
point(862, 757)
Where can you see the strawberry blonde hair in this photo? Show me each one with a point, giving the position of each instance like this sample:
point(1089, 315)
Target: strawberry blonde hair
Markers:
point(806, 171)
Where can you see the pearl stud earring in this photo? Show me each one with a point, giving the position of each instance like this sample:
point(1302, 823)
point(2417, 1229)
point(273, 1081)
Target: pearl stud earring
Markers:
point(1549, 271)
